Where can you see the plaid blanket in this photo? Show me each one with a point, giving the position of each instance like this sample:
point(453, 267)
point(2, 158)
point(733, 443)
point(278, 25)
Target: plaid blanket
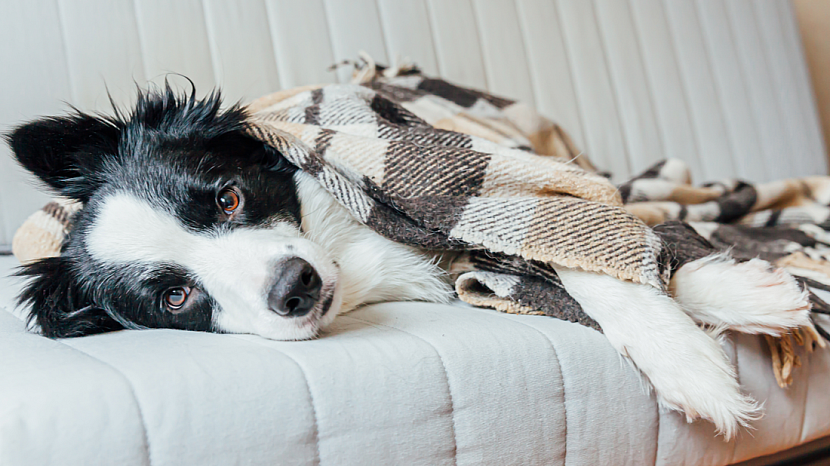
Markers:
point(441, 167)
point(417, 183)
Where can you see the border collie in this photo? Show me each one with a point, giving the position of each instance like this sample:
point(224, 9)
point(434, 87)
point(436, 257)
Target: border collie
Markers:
point(190, 224)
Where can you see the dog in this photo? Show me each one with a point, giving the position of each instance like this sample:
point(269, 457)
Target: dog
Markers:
point(188, 223)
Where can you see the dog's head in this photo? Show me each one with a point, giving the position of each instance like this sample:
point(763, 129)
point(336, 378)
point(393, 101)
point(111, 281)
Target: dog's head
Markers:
point(187, 223)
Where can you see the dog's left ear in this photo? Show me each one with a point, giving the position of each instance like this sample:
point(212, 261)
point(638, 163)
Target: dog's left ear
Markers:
point(65, 152)
point(59, 304)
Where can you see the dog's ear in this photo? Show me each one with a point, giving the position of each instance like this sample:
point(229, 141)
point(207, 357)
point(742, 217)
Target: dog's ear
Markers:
point(244, 147)
point(58, 304)
point(64, 152)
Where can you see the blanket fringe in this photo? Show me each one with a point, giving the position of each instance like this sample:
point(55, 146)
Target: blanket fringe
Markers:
point(783, 352)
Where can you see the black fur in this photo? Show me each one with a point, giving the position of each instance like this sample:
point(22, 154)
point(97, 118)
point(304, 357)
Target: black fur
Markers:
point(64, 309)
point(66, 152)
point(173, 150)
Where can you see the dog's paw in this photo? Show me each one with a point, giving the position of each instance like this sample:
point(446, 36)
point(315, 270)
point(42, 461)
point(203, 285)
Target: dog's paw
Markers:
point(689, 372)
point(748, 297)
point(700, 383)
point(686, 367)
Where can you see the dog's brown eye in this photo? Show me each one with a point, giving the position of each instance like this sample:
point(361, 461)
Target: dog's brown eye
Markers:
point(228, 200)
point(174, 298)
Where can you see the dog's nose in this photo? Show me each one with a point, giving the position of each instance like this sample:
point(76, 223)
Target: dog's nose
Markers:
point(296, 288)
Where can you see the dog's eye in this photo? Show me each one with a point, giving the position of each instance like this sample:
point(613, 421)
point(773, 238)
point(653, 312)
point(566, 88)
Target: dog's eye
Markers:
point(228, 200)
point(174, 298)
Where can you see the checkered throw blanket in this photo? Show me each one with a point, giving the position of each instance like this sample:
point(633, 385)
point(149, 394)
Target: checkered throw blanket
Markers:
point(433, 165)
point(383, 151)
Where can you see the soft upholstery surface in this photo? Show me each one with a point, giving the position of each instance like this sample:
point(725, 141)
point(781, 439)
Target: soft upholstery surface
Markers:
point(397, 383)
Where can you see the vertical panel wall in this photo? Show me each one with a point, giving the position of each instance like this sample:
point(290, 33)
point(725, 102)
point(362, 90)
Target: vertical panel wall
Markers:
point(665, 81)
point(241, 51)
point(549, 66)
point(604, 140)
point(34, 80)
point(720, 84)
point(457, 44)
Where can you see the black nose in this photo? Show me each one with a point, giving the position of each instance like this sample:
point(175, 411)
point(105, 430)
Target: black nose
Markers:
point(296, 289)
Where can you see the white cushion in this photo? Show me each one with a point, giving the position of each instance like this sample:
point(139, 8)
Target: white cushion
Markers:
point(396, 383)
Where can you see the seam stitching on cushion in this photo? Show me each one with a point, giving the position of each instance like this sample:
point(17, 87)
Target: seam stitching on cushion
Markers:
point(805, 371)
point(129, 383)
point(446, 377)
point(561, 376)
point(804, 406)
point(733, 338)
point(308, 387)
point(808, 370)
point(657, 437)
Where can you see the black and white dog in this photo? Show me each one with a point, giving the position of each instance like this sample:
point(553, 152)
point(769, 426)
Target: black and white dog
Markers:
point(190, 224)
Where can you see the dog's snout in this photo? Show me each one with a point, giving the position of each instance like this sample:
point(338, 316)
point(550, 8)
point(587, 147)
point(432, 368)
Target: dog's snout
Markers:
point(296, 289)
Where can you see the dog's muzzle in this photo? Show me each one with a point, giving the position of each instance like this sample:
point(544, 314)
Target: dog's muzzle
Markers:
point(296, 288)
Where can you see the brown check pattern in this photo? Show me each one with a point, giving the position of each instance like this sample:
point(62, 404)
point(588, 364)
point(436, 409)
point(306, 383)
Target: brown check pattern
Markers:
point(436, 188)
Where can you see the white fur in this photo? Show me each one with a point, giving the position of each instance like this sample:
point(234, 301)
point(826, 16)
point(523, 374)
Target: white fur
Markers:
point(372, 268)
point(748, 297)
point(687, 368)
point(356, 265)
point(128, 229)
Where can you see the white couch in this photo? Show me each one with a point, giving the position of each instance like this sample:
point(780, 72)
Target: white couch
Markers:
point(721, 84)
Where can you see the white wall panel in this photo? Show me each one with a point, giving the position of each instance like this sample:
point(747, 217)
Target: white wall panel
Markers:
point(502, 46)
point(628, 79)
point(103, 52)
point(722, 85)
point(240, 44)
point(174, 39)
point(760, 90)
point(354, 25)
point(604, 141)
point(708, 119)
point(666, 84)
point(35, 81)
point(301, 42)
point(550, 70)
point(457, 44)
point(34, 75)
point(785, 84)
point(408, 32)
point(730, 85)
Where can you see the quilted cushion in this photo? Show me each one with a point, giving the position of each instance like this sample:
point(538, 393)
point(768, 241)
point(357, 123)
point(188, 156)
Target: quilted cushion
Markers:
point(396, 383)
